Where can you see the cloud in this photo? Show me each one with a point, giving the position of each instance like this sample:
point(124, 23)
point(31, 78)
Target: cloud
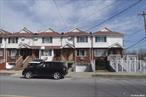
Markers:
point(41, 14)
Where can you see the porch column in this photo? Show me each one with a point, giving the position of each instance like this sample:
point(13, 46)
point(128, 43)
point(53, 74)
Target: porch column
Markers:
point(40, 54)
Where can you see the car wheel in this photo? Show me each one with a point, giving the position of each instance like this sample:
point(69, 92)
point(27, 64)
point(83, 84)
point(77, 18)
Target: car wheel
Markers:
point(57, 75)
point(28, 75)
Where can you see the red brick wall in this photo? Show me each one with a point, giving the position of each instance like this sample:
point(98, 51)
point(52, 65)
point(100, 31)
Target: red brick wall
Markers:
point(2, 66)
point(83, 60)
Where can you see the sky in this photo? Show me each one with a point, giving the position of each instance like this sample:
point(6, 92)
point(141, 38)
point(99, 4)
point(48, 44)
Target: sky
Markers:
point(87, 15)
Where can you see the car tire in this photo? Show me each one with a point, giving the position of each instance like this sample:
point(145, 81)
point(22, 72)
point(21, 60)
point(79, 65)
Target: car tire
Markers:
point(57, 75)
point(28, 75)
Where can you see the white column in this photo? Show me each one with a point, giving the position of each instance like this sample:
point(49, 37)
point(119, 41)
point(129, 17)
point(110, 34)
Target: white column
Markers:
point(40, 54)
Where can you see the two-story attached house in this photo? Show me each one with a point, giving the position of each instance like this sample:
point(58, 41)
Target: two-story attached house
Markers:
point(75, 46)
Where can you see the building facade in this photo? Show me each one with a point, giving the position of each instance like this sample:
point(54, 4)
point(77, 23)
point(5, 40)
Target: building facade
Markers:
point(75, 46)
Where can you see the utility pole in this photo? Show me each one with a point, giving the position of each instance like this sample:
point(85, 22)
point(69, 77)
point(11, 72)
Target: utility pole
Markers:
point(144, 16)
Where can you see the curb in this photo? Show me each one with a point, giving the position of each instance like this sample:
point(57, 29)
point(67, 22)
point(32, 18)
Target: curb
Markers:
point(122, 75)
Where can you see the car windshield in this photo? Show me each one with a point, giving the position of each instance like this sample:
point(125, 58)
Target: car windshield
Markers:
point(34, 64)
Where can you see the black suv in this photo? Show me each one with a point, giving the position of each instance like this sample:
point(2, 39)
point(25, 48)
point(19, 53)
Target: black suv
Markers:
point(57, 70)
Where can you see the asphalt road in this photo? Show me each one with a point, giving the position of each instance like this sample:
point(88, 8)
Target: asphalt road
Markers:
point(68, 87)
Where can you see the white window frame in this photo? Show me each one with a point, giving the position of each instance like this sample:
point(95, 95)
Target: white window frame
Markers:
point(13, 40)
point(46, 53)
point(13, 52)
point(100, 39)
point(100, 52)
point(82, 39)
point(82, 52)
point(47, 40)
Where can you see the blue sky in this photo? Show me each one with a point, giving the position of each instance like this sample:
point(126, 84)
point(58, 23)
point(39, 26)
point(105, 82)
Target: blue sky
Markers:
point(39, 15)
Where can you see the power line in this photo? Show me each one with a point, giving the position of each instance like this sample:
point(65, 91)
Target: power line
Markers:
point(95, 12)
point(61, 17)
point(136, 43)
point(132, 5)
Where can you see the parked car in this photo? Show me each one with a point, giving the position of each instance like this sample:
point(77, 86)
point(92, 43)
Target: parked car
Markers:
point(57, 70)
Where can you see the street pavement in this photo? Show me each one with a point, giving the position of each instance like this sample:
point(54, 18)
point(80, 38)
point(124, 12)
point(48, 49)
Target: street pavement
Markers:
point(14, 86)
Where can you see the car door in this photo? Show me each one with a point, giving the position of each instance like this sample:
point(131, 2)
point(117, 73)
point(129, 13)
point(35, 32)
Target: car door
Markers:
point(40, 69)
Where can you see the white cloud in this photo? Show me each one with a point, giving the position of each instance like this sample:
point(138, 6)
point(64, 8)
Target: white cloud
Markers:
point(125, 25)
point(12, 20)
point(44, 14)
point(71, 14)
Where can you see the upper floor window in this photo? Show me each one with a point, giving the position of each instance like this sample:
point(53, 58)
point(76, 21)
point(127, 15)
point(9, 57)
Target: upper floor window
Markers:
point(81, 52)
point(13, 40)
point(82, 39)
point(100, 39)
point(0, 40)
point(47, 40)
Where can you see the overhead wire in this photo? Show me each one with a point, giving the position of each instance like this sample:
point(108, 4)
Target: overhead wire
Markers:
point(95, 12)
point(136, 43)
point(61, 17)
point(117, 14)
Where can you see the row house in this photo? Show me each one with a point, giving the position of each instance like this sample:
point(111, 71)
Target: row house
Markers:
point(75, 46)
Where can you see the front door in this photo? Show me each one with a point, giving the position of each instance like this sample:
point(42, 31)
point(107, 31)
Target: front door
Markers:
point(101, 63)
point(68, 54)
point(25, 52)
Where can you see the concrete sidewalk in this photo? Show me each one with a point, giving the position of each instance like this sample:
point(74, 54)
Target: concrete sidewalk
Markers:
point(18, 73)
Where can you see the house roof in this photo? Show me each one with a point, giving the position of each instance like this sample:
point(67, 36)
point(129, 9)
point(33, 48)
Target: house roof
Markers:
point(22, 33)
point(48, 32)
point(108, 32)
point(76, 32)
point(3, 33)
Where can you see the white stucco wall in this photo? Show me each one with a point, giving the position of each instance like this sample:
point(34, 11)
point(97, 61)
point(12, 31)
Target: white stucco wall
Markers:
point(65, 41)
point(110, 41)
point(83, 44)
point(56, 41)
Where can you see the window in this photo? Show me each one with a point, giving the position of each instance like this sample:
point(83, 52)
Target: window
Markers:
point(1, 52)
point(46, 53)
point(82, 39)
point(13, 40)
point(0, 40)
point(13, 53)
point(81, 52)
point(47, 40)
point(100, 39)
point(100, 52)
point(35, 39)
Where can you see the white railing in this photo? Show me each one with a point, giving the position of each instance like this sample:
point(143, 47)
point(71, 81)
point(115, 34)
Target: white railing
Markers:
point(127, 65)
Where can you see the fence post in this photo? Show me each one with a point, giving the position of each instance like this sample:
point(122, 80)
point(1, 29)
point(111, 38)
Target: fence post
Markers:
point(122, 65)
point(116, 65)
point(140, 65)
point(135, 65)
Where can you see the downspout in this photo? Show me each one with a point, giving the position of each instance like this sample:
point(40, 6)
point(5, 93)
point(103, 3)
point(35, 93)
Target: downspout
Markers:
point(75, 60)
point(61, 45)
